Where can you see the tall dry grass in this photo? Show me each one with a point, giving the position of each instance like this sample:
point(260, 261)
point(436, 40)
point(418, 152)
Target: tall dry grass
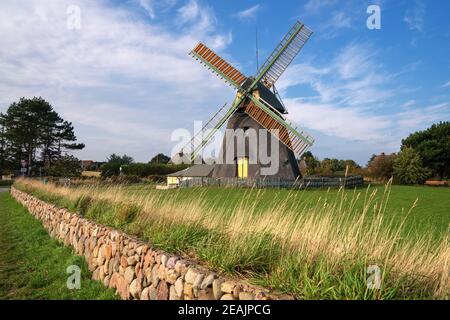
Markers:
point(319, 250)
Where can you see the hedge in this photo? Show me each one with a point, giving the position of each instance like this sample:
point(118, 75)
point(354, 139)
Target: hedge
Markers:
point(147, 169)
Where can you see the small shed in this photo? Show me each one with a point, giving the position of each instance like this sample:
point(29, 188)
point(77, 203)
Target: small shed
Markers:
point(196, 171)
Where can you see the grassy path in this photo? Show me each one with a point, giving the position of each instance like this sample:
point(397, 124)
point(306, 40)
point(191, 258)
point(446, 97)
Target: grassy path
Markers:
point(33, 265)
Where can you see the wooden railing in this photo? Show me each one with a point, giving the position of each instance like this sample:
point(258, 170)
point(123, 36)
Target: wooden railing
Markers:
point(304, 183)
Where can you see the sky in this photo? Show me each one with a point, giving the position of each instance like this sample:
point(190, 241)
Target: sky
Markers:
point(121, 72)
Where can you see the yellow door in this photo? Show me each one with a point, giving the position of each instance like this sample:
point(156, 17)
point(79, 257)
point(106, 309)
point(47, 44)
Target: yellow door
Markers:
point(242, 168)
point(172, 180)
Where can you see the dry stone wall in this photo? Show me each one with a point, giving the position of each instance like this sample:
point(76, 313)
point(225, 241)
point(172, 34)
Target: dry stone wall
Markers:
point(133, 267)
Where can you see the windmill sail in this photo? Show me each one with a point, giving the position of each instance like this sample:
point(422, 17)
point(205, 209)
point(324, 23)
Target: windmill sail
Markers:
point(250, 95)
point(218, 65)
point(283, 54)
point(201, 139)
point(294, 138)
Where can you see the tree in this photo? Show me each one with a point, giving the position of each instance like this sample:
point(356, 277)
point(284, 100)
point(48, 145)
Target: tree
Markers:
point(30, 128)
point(121, 160)
point(408, 167)
point(65, 166)
point(328, 167)
point(433, 146)
point(160, 158)
point(4, 157)
point(382, 166)
point(113, 164)
point(312, 163)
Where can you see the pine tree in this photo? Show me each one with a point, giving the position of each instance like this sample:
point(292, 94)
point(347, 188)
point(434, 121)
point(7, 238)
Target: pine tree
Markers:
point(32, 130)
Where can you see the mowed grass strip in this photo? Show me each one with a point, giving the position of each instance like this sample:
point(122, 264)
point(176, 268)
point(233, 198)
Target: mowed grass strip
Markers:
point(33, 265)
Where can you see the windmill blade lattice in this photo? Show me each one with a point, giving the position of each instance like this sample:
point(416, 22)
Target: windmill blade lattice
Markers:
point(201, 138)
point(294, 138)
point(283, 54)
point(218, 65)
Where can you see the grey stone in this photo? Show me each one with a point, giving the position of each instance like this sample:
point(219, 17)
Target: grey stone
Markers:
point(191, 275)
point(198, 281)
point(207, 282)
point(171, 262)
point(179, 287)
point(173, 294)
point(131, 261)
point(228, 296)
point(228, 286)
point(164, 260)
point(171, 276)
point(129, 274)
point(134, 289)
point(163, 291)
point(152, 292)
point(246, 296)
point(155, 277)
point(144, 294)
point(217, 288)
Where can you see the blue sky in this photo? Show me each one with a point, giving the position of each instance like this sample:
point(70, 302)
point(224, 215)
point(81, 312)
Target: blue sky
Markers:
point(126, 82)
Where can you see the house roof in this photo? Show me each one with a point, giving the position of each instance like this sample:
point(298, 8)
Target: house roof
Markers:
point(198, 170)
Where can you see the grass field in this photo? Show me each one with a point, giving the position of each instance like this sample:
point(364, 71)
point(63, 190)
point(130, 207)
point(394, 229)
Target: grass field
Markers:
point(313, 244)
point(431, 213)
point(32, 265)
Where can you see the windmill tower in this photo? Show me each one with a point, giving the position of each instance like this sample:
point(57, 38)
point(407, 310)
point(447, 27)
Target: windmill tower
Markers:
point(256, 106)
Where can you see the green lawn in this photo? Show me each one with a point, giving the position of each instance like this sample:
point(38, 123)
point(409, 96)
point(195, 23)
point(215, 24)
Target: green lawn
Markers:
point(431, 214)
point(33, 265)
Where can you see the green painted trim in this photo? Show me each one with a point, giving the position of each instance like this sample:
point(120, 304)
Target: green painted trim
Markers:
point(220, 73)
point(288, 42)
point(205, 140)
point(279, 119)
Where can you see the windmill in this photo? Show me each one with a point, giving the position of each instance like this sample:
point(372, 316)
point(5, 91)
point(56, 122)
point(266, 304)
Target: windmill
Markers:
point(257, 105)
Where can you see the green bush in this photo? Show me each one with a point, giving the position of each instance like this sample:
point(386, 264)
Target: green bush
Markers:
point(150, 169)
point(110, 169)
point(433, 146)
point(66, 166)
point(408, 167)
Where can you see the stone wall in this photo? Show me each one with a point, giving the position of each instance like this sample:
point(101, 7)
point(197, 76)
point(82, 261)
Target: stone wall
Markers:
point(134, 268)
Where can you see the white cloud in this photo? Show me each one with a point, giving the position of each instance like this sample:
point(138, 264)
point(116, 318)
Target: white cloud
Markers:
point(116, 77)
point(352, 78)
point(200, 20)
point(152, 6)
point(314, 6)
point(348, 123)
point(408, 104)
point(414, 17)
point(348, 104)
point(335, 25)
point(148, 5)
point(446, 85)
point(248, 13)
point(340, 20)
